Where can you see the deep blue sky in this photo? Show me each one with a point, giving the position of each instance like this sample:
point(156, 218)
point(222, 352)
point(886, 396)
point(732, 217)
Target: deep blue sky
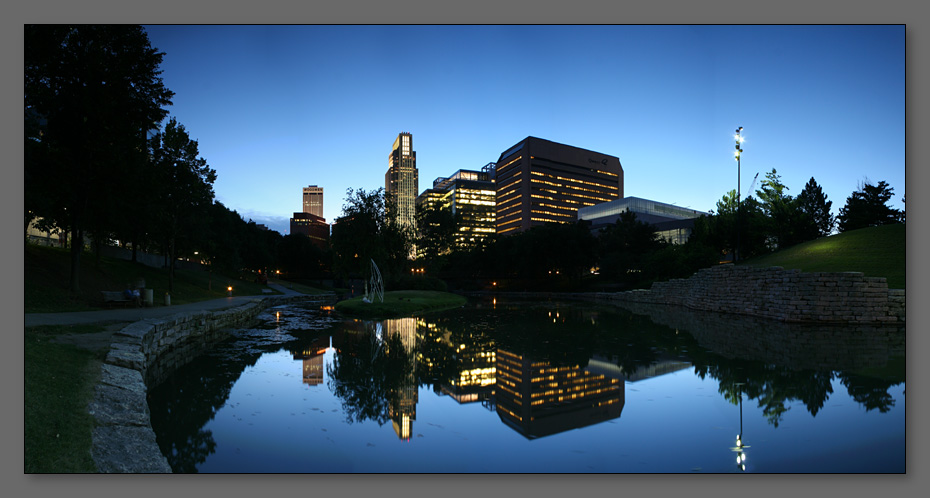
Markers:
point(277, 108)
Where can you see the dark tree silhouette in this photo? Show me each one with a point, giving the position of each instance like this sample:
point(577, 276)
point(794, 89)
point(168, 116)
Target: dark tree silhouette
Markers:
point(185, 190)
point(867, 207)
point(813, 203)
point(91, 94)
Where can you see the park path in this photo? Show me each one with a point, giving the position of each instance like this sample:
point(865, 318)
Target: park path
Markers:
point(136, 314)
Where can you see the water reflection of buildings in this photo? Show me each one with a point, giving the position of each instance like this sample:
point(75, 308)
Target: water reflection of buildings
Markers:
point(312, 356)
point(608, 366)
point(537, 398)
point(473, 360)
point(403, 398)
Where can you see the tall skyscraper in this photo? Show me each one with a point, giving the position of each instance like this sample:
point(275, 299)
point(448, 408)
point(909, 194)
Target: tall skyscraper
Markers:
point(313, 200)
point(401, 180)
point(540, 182)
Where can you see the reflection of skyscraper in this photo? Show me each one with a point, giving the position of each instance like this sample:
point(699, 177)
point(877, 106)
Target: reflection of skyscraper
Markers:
point(312, 357)
point(403, 398)
point(401, 180)
point(538, 399)
point(472, 355)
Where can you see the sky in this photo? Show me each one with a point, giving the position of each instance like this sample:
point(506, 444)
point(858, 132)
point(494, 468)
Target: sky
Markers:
point(275, 108)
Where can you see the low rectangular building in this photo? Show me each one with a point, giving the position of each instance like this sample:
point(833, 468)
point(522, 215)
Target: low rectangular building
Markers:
point(673, 223)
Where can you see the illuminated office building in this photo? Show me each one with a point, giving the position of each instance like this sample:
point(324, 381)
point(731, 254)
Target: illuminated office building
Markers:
point(540, 182)
point(401, 180)
point(311, 226)
point(470, 196)
point(537, 398)
point(313, 200)
point(672, 223)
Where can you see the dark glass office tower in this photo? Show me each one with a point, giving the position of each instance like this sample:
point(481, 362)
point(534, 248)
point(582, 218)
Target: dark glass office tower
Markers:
point(540, 182)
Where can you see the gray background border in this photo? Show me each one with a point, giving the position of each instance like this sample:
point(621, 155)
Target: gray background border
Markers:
point(477, 12)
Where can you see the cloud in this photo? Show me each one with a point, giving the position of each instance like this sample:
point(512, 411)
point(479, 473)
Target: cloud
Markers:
point(279, 224)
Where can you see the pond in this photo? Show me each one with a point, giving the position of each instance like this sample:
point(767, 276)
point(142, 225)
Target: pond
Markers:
point(503, 386)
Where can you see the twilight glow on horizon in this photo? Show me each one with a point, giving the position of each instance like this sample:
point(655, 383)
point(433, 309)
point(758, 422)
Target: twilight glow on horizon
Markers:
point(277, 108)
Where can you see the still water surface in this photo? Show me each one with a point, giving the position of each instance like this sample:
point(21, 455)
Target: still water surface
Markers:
point(520, 387)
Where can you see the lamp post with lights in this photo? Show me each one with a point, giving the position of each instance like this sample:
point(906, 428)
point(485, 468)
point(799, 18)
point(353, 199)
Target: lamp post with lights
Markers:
point(739, 150)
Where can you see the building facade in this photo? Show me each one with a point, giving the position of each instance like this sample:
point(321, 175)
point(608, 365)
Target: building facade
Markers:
point(673, 223)
point(313, 200)
point(470, 196)
point(539, 182)
point(401, 181)
point(312, 226)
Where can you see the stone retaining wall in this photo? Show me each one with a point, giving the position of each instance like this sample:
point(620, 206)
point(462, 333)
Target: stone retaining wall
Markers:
point(123, 439)
point(776, 293)
point(807, 346)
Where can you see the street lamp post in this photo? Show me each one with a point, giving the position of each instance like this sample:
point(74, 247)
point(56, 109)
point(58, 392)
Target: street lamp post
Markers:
point(739, 141)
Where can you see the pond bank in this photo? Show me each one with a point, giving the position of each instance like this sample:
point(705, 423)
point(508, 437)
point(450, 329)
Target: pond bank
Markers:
point(772, 293)
point(123, 440)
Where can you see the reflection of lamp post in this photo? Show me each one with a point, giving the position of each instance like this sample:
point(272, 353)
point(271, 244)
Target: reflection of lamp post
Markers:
point(740, 447)
point(739, 141)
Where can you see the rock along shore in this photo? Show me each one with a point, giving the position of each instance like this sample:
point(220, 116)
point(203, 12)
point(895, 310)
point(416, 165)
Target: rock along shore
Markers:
point(123, 440)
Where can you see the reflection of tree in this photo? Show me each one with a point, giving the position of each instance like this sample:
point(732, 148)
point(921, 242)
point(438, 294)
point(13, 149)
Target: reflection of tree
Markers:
point(182, 405)
point(364, 374)
point(869, 391)
point(773, 387)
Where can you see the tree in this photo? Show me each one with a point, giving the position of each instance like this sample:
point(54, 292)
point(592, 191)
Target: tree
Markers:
point(436, 231)
point(719, 230)
point(867, 207)
point(786, 224)
point(93, 90)
point(815, 206)
point(625, 246)
point(185, 190)
point(365, 232)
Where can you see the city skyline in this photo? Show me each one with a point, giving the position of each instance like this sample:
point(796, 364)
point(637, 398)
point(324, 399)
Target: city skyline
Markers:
point(821, 101)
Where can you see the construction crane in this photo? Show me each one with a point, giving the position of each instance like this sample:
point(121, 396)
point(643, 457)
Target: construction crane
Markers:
point(753, 184)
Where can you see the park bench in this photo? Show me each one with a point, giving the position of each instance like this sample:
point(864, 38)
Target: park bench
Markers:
point(115, 297)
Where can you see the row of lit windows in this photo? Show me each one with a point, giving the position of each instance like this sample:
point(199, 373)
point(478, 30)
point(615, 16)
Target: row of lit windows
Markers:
point(501, 168)
point(553, 206)
point(508, 412)
point(573, 194)
point(573, 166)
point(573, 187)
point(550, 213)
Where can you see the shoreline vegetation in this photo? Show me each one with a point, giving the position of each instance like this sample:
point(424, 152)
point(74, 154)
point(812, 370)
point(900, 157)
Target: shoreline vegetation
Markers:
point(401, 303)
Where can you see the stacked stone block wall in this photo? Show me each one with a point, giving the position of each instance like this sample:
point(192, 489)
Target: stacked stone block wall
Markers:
point(779, 294)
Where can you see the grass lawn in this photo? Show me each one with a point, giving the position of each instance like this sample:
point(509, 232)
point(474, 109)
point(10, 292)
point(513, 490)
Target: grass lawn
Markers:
point(47, 276)
point(401, 303)
point(300, 287)
point(875, 251)
point(59, 383)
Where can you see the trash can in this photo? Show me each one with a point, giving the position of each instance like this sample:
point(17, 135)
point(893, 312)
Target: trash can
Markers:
point(167, 299)
point(148, 296)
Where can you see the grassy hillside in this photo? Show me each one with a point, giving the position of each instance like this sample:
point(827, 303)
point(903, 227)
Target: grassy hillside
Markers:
point(875, 251)
point(47, 275)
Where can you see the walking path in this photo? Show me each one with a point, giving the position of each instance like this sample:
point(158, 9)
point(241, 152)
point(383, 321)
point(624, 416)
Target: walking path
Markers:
point(136, 314)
